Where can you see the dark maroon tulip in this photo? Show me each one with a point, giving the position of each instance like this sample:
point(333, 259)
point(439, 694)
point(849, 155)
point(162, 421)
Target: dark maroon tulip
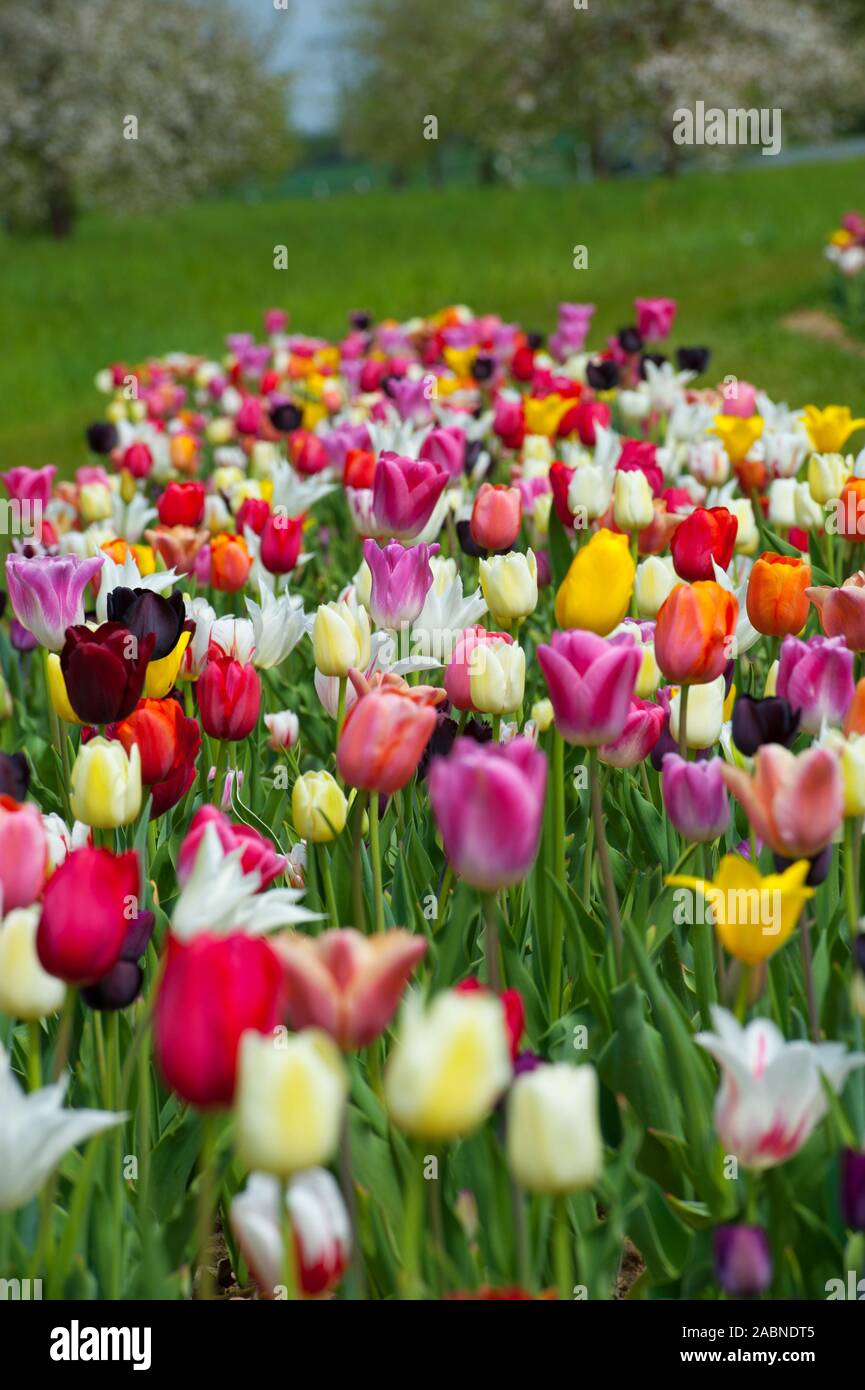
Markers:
point(743, 1262)
point(853, 1189)
point(144, 612)
point(104, 671)
point(121, 986)
point(14, 775)
point(818, 870)
point(756, 722)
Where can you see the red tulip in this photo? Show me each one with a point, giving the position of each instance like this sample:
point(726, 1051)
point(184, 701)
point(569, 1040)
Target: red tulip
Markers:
point(213, 990)
point(560, 482)
point(308, 453)
point(281, 539)
point(382, 740)
point(704, 536)
point(252, 513)
point(512, 1003)
point(87, 907)
point(138, 460)
point(104, 670)
point(169, 744)
point(181, 504)
point(229, 696)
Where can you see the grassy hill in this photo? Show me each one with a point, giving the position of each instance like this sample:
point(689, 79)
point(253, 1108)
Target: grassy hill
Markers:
point(740, 250)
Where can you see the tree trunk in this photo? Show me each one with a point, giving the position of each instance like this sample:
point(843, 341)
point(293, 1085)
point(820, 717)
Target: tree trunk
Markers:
point(61, 207)
point(487, 171)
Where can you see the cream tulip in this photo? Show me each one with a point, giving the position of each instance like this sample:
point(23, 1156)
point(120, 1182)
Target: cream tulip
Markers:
point(510, 585)
point(26, 990)
point(341, 638)
point(105, 785)
point(654, 582)
point(633, 504)
point(290, 1099)
point(497, 676)
point(705, 713)
point(553, 1129)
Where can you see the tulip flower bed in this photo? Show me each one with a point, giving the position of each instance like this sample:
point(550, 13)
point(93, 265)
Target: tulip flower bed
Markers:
point(433, 784)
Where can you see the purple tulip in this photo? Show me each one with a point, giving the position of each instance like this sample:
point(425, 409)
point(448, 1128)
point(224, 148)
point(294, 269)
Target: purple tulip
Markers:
point(591, 684)
point(488, 801)
point(47, 593)
point(401, 580)
point(20, 637)
point(405, 493)
point(853, 1189)
point(816, 677)
point(695, 797)
point(446, 447)
point(572, 330)
point(411, 398)
point(30, 484)
point(743, 1261)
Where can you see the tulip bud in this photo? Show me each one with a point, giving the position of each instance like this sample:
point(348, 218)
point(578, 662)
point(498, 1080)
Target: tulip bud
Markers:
point(633, 507)
point(497, 676)
point(853, 1189)
point(291, 1093)
point(284, 729)
point(597, 588)
point(105, 786)
point(449, 1065)
point(510, 585)
point(542, 715)
point(553, 1134)
point(318, 807)
point(341, 638)
point(695, 797)
point(496, 516)
point(26, 989)
point(87, 906)
point(743, 1263)
point(23, 853)
point(827, 474)
point(590, 492)
point(320, 1226)
point(747, 535)
point(705, 713)
point(655, 578)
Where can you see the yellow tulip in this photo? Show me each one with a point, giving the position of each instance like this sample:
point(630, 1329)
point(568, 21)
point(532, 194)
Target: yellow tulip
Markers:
point(754, 915)
point(341, 638)
point(291, 1094)
point(497, 676)
point(26, 990)
point(57, 690)
point(596, 591)
point(544, 416)
point(830, 428)
point(827, 474)
point(510, 585)
point(737, 435)
point(105, 785)
point(162, 674)
point(318, 807)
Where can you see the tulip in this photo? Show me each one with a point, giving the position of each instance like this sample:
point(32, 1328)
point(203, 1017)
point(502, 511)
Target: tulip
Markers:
point(14, 775)
point(27, 991)
point(693, 632)
point(457, 680)
point(318, 807)
point(291, 1094)
point(405, 494)
point(596, 591)
point(816, 677)
point(258, 855)
point(281, 543)
point(827, 474)
point(103, 671)
point(121, 986)
point(320, 1225)
point(705, 713)
point(47, 593)
point(755, 722)
point(30, 484)
point(95, 502)
point(654, 581)
point(177, 546)
point(704, 537)
point(86, 909)
point(772, 1093)
point(794, 803)
point(510, 585)
point(229, 697)
point(554, 1141)
point(853, 1189)
point(747, 534)
point(23, 854)
point(181, 504)
point(168, 743)
point(382, 740)
point(842, 611)
point(449, 1065)
point(738, 435)
point(213, 990)
point(283, 726)
point(777, 594)
point(642, 730)
point(851, 753)
point(230, 562)
point(478, 785)
point(590, 492)
point(591, 684)
point(497, 676)
point(743, 1261)
point(144, 613)
point(35, 1133)
point(496, 516)
point(446, 448)
point(754, 915)
point(341, 638)
point(401, 579)
point(830, 429)
point(633, 507)
point(345, 983)
point(655, 317)
point(695, 797)
point(105, 787)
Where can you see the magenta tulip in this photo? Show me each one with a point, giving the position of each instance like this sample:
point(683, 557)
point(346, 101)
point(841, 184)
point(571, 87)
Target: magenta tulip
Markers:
point(30, 484)
point(488, 801)
point(446, 447)
point(695, 797)
point(591, 684)
point(47, 593)
point(401, 580)
point(642, 730)
point(655, 317)
point(405, 493)
point(816, 677)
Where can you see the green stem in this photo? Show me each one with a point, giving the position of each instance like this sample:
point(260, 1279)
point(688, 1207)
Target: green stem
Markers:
point(604, 859)
point(340, 708)
point(683, 720)
point(206, 1202)
point(289, 1250)
point(356, 865)
point(444, 893)
point(704, 966)
point(491, 941)
point(851, 889)
point(323, 861)
point(375, 855)
point(557, 937)
point(562, 1262)
point(34, 1055)
point(413, 1225)
point(219, 774)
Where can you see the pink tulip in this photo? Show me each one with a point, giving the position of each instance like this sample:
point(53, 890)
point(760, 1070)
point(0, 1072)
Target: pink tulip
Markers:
point(30, 484)
point(458, 671)
point(488, 801)
point(591, 684)
point(816, 677)
point(401, 580)
point(695, 797)
point(794, 803)
point(742, 401)
point(642, 730)
point(258, 855)
point(23, 854)
point(405, 493)
point(842, 611)
point(47, 593)
point(446, 447)
point(655, 317)
point(347, 983)
point(496, 516)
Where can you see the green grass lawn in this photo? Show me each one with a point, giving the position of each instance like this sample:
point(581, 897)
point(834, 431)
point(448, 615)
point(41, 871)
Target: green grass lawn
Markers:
point(739, 251)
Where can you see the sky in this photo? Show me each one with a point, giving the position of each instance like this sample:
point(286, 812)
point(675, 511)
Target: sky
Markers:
point(310, 47)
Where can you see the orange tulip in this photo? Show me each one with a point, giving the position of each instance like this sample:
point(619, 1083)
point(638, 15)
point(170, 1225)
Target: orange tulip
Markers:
point(230, 562)
point(694, 631)
point(850, 511)
point(854, 719)
point(383, 738)
point(777, 601)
